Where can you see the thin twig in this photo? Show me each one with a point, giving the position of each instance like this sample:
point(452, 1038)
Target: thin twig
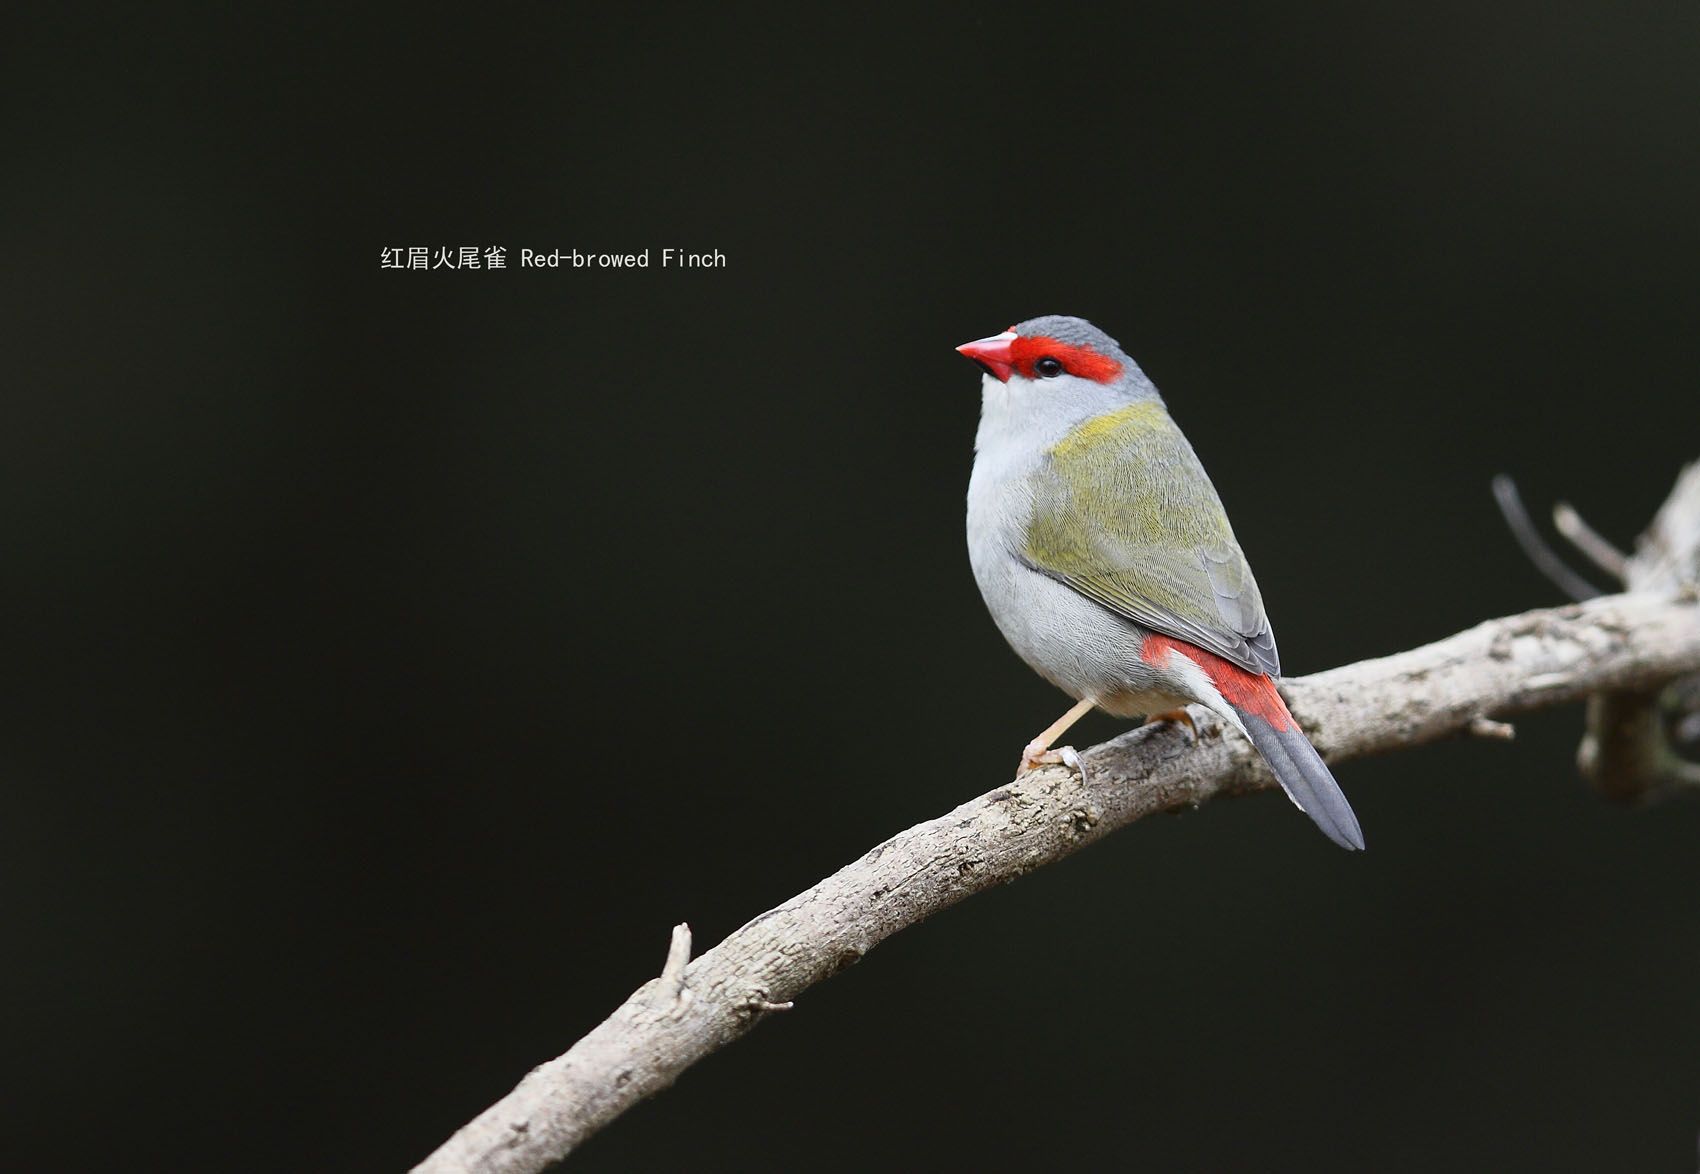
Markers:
point(1589, 541)
point(1486, 727)
point(1544, 557)
point(758, 1001)
point(670, 986)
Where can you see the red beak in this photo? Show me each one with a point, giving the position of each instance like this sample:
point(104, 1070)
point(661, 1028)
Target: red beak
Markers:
point(992, 354)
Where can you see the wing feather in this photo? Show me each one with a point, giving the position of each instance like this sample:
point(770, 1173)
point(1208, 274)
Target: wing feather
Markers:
point(1125, 514)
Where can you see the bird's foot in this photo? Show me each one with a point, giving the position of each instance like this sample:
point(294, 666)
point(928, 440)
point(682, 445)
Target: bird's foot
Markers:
point(1177, 715)
point(1035, 756)
point(1038, 752)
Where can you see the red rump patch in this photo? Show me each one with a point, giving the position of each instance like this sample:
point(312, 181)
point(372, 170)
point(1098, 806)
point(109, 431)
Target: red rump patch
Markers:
point(1251, 693)
point(1076, 360)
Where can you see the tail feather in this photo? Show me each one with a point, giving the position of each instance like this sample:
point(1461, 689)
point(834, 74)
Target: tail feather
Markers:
point(1306, 779)
point(1252, 699)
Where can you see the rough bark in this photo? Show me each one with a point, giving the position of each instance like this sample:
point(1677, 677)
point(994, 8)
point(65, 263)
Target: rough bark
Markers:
point(1621, 644)
point(1630, 748)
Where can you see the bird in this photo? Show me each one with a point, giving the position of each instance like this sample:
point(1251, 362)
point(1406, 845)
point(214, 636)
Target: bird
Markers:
point(1107, 561)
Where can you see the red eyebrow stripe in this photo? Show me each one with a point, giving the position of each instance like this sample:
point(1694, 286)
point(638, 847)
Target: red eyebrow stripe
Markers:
point(1076, 360)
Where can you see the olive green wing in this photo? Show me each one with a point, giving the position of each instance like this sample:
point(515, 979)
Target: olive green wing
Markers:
point(1124, 513)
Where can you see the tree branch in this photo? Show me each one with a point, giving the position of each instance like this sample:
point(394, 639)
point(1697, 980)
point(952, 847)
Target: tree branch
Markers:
point(1586, 539)
point(1630, 748)
point(1624, 643)
point(1545, 558)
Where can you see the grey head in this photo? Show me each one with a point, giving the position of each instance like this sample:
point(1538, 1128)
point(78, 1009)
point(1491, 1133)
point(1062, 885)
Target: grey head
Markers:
point(1073, 332)
point(1048, 374)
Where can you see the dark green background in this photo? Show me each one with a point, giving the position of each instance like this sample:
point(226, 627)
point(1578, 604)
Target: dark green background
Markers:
point(392, 658)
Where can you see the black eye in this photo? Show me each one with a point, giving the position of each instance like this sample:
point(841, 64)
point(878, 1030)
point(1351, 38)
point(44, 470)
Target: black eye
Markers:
point(1048, 367)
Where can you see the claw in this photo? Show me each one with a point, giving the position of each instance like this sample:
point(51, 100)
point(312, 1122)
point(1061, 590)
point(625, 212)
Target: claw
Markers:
point(1038, 752)
point(1035, 756)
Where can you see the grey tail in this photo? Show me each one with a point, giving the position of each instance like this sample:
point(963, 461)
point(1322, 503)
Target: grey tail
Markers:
point(1306, 779)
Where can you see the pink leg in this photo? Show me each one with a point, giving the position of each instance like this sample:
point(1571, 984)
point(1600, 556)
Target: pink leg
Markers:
point(1039, 750)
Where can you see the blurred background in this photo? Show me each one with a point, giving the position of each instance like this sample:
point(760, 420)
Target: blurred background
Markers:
point(393, 657)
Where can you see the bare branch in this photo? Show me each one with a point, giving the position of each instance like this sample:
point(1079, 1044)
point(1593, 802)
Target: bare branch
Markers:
point(1544, 557)
point(1668, 554)
point(670, 988)
point(1622, 652)
point(1588, 540)
point(1632, 643)
point(1630, 748)
point(1486, 727)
